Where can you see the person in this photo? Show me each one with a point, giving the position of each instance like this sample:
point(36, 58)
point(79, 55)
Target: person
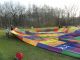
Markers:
point(32, 27)
point(38, 30)
point(7, 32)
point(65, 29)
point(78, 26)
point(19, 56)
point(12, 27)
point(16, 29)
point(56, 29)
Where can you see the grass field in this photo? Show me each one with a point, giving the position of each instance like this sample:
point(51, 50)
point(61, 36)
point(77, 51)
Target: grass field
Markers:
point(9, 47)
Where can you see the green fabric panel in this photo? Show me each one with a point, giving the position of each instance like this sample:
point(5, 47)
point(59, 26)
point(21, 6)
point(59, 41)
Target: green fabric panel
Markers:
point(71, 54)
point(77, 38)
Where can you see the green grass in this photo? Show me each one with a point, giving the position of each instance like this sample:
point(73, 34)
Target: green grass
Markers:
point(9, 47)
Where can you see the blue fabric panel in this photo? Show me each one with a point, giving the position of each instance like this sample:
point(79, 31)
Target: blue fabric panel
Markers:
point(65, 46)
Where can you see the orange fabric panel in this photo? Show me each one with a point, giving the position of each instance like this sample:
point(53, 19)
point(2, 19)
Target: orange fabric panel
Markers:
point(55, 29)
point(65, 30)
point(32, 42)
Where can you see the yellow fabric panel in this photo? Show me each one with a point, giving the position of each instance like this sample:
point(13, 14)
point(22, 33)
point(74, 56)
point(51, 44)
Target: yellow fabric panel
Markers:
point(45, 35)
point(73, 28)
point(28, 41)
point(60, 30)
point(14, 32)
point(32, 42)
point(53, 43)
point(49, 41)
point(52, 34)
point(56, 43)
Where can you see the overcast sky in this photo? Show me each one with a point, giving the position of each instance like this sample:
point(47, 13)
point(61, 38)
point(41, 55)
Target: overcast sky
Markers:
point(52, 3)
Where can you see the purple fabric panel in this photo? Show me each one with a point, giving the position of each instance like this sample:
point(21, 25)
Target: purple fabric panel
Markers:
point(76, 50)
point(77, 45)
point(49, 47)
point(54, 49)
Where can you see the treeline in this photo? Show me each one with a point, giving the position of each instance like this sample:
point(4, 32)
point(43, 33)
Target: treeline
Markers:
point(45, 16)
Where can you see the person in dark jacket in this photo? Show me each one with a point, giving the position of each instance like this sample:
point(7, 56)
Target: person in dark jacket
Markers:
point(12, 27)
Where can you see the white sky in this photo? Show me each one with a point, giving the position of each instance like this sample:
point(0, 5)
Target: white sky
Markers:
point(51, 3)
